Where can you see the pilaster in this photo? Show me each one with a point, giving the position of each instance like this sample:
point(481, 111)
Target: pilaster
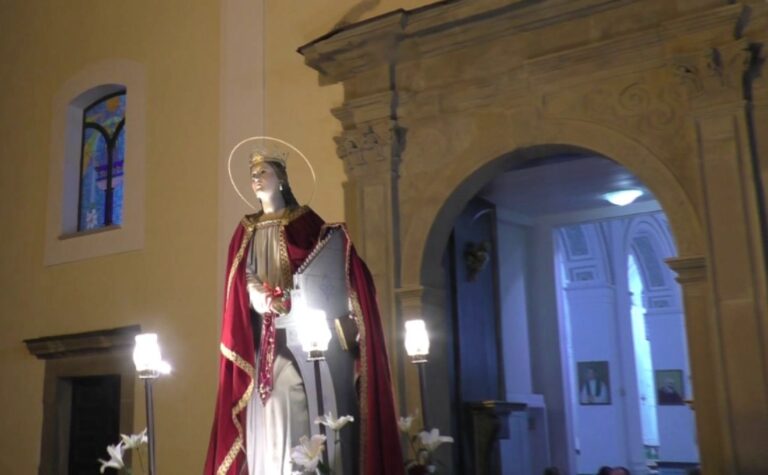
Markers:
point(370, 146)
point(715, 80)
point(706, 356)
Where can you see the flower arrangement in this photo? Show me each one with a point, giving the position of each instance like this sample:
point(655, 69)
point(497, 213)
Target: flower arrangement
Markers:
point(309, 453)
point(422, 444)
point(117, 451)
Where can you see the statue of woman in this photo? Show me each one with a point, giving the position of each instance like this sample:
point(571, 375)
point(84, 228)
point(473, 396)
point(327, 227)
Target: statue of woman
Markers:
point(261, 408)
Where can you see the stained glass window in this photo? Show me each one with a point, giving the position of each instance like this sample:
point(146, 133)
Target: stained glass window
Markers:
point(101, 163)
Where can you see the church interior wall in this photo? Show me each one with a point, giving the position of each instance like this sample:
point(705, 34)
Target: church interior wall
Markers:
point(513, 241)
point(598, 314)
point(589, 323)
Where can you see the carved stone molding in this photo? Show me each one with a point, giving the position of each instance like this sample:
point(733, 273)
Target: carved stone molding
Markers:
point(689, 270)
point(101, 341)
point(645, 104)
point(476, 80)
point(371, 148)
point(714, 75)
point(640, 105)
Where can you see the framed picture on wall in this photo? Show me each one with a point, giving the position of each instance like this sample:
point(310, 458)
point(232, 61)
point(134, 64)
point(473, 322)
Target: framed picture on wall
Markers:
point(594, 383)
point(669, 387)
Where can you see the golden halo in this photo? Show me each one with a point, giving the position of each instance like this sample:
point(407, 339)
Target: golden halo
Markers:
point(281, 142)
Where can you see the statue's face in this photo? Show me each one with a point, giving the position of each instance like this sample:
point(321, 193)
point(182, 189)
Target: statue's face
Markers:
point(264, 180)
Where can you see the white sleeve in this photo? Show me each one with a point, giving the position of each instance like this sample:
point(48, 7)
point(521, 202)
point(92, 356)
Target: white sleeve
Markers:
point(256, 292)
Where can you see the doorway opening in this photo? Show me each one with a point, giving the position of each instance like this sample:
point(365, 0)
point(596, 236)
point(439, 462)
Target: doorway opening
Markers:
point(565, 313)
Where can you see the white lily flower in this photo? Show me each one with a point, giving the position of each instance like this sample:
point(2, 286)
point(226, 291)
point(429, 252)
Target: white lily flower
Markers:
point(308, 452)
point(133, 441)
point(115, 457)
point(432, 439)
point(404, 423)
point(335, 424)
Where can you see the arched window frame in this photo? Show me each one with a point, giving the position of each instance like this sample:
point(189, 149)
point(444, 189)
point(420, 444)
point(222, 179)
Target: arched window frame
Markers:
point(63, 242)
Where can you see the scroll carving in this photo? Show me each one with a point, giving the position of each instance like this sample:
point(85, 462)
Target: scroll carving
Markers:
point(638, 105)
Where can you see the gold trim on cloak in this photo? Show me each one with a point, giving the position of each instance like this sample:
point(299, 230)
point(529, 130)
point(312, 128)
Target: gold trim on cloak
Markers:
point(285, 261)
point(283, 217)
point(358, 312)
point(238, 361)
point(363, 374)
point(249, 228)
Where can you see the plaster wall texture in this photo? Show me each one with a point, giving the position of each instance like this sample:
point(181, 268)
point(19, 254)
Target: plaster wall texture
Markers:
point(169, 285)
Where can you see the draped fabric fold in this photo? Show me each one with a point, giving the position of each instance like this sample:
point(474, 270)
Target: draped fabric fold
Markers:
point(302, 230)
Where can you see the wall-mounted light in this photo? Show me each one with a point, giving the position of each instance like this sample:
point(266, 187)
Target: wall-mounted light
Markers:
point(623, 197)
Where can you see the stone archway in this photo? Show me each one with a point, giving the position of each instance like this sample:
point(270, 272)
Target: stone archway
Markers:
point(440, 98)
point(437, 205)
point(428, 221)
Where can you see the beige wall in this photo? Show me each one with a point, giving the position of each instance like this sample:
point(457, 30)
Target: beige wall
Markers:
point(169, 286)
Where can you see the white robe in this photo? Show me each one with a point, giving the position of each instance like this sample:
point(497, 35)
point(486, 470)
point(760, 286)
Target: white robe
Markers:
point(275, 427)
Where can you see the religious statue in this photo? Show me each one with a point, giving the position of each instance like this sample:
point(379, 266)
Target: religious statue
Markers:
point(261, 409)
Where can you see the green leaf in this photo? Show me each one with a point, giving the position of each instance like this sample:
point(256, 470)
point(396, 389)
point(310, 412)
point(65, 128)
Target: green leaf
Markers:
point(323, 468)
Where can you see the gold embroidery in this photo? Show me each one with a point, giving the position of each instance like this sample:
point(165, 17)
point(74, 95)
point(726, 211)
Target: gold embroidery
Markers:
point(270, 355)
point(285, 262)
point(230, 458)
point(237, 360)
point(363, 375)
point(240, 253)
point(316, 251)
point(283, 217)
point(363, 350)
point(241, 363)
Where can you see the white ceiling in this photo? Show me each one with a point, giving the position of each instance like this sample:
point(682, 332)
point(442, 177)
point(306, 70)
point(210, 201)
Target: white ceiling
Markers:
point(561, 185)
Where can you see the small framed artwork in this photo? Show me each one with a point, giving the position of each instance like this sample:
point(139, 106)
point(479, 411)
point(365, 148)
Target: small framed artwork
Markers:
point(594, 383)
point(669, 387)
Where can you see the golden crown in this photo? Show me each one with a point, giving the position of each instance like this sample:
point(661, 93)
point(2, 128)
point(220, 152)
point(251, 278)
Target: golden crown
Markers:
point(260, 156)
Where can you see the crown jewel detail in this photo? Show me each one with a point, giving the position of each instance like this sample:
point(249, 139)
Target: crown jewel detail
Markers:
point(260, 156)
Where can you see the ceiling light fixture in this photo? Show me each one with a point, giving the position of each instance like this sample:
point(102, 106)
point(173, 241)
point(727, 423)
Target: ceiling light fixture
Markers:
point(623, 197)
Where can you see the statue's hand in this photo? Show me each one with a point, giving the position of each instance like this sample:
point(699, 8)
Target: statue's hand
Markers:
point(279, 300)
point(281, 306)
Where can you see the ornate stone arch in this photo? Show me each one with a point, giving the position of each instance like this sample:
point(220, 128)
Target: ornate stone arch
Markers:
point(438, 99)
point(425, 233)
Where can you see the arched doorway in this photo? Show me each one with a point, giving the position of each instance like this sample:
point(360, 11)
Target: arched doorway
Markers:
point(439, 99)
point(538, 355)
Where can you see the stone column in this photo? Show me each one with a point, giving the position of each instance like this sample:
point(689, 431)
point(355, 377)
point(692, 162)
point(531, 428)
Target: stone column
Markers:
point(705, 355)
point(370, 147)
point(735, 247)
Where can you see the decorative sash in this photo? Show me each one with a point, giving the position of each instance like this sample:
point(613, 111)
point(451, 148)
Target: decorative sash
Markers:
point(267, 346)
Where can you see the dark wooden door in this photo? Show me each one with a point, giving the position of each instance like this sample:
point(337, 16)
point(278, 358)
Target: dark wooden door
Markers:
point(473, 263)
point(476, 303)
point(94, 422)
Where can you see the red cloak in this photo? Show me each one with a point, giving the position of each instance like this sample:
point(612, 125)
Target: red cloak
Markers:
point(301, 230)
